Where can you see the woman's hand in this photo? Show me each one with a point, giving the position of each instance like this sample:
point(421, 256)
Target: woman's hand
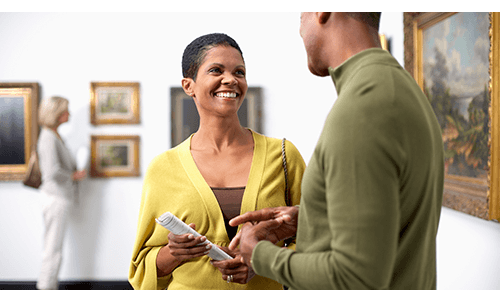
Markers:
point(179, 249)
point(79, 175)
point(187, 246)
point(240, 272)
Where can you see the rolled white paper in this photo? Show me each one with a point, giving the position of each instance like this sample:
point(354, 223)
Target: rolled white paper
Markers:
point(82, 158)
point(178, 227)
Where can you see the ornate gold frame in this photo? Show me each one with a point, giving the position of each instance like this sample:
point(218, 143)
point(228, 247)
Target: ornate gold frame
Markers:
point(132, 167)
point(29, 92)
point(131, 116)
point(464, 190)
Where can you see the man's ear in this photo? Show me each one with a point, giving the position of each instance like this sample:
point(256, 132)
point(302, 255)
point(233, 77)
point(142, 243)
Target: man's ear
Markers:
point(188, 86)
point(323, 17)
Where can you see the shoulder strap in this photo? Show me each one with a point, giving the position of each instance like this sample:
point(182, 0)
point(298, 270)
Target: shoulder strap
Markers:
point(287, 189)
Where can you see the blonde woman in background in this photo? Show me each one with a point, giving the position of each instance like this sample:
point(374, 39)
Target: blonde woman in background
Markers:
point(59, 188)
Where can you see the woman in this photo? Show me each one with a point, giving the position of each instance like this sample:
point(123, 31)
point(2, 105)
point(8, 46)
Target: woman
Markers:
point(220, 171)
point(58, 187)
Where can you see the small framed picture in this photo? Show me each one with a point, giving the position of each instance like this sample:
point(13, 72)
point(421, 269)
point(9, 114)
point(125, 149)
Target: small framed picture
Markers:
point(114, 103)
point(114, 156)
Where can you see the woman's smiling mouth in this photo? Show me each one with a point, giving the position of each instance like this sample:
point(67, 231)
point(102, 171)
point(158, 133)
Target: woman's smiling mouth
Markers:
point(226, 95)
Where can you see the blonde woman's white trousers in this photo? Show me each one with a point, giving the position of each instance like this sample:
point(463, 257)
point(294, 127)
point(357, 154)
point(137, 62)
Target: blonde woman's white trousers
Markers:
point(55, 214)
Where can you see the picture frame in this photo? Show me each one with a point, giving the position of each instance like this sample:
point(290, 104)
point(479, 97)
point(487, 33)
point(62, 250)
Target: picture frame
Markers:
point(464, 92)
point(114, 103)
point(114, 156)
point(384, 42)
point(19, 122)
point(185, 118)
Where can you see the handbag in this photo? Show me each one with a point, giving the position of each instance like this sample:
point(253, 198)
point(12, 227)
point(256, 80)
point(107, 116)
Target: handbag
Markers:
point(33, 177)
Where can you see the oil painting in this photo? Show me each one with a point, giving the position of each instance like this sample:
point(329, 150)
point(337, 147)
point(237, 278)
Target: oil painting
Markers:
point(18, 128)
point(451, 56)
point(114, 103)
point(185, 118)
point(455, 61)
point(114, 156)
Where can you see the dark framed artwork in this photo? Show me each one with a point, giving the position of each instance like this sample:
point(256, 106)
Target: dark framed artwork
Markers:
point(18, 128)
point(185, 118)
point(114, 103)
point(454, 58)
point(114, 155)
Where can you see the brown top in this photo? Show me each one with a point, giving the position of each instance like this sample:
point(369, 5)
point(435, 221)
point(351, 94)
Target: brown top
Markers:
point(229, 199)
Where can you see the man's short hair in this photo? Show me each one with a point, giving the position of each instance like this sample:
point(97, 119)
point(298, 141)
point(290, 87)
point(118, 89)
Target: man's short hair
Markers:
point(370, 18)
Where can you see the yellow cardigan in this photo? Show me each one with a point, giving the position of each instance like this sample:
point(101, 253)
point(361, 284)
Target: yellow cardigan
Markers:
point(173, 183)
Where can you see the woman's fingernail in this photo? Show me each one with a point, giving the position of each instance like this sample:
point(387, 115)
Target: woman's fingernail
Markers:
point(203, 239)
point(208, 247)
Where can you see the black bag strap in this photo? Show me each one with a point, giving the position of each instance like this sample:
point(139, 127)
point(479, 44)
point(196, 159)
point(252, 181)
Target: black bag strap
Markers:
point(287, 189)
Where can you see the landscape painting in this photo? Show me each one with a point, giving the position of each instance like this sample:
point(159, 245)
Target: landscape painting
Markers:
point(456, 76)
point(114, 103)
point(114, 155)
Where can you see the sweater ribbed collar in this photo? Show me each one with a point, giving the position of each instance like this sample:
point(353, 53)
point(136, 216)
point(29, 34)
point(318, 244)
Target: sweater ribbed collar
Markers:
point(342, 74)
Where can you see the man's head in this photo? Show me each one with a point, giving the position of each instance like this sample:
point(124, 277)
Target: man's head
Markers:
point(330, 38)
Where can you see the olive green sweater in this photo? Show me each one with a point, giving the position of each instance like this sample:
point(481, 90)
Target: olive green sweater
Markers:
point(371, 194)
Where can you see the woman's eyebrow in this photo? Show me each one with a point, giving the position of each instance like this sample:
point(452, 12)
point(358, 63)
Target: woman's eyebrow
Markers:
point(216, 63)
point(221, 65)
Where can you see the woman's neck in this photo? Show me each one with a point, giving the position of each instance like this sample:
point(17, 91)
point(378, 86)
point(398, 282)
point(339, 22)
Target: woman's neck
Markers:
point(54, 129)
point(220, 134)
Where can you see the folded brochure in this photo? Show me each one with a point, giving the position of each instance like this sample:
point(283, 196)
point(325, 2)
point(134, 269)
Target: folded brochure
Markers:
point(178, 227)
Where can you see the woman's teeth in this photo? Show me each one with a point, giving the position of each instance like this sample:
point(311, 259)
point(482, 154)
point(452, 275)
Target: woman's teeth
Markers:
point(226, 95)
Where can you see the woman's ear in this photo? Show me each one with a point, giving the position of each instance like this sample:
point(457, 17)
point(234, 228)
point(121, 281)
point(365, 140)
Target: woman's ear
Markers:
point(188, 86)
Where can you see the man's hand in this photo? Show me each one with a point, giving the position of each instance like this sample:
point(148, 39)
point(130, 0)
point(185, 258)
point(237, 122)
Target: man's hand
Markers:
point(275, 224)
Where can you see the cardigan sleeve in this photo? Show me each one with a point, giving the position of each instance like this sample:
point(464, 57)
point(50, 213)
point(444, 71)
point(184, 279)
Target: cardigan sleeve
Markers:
point(142, 271)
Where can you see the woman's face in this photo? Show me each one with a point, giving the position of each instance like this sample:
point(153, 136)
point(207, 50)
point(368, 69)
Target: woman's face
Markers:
point(220, 85)
point(64, 117)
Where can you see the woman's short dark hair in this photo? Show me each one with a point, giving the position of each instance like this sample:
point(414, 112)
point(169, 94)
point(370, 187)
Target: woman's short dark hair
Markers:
point(196, 51)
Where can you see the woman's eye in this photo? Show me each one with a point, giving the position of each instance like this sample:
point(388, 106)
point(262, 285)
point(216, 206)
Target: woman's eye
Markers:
point(240, 72)
point(215, 70)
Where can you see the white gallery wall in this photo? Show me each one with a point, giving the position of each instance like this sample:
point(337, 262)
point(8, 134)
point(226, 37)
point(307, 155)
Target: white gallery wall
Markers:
point(65, 52)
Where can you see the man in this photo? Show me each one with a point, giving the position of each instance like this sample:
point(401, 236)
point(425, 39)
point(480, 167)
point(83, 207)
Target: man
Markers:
point(371, 194)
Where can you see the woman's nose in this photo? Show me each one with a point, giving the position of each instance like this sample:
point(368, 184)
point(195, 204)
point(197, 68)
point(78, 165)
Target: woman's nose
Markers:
point(229, 79)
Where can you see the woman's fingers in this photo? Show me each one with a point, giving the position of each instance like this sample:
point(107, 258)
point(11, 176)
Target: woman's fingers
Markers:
point(187, 246)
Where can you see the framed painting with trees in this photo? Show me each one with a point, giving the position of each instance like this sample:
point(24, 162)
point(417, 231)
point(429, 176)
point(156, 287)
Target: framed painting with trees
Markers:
point(454, 58)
